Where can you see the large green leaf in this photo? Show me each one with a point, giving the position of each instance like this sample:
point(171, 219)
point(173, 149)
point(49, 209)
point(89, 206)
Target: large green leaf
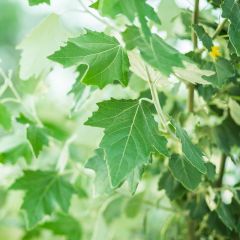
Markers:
point(231, 10)
point(192, 153)
point(106, 59)
point(131, 134)
point(184, 172)
point(45, 190)
point(131, 9)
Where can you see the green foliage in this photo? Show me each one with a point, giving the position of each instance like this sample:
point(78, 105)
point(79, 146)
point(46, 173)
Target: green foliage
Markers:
point(45, 190)
point(120, 120)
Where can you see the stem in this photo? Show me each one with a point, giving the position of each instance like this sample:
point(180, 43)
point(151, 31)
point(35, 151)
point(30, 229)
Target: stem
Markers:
point(195, 46)
point(156, 101)
point(219, 28)
point(221, 171)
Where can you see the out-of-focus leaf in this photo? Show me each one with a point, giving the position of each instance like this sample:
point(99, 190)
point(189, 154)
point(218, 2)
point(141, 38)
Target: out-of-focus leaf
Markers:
point(203, 36)
point(5, 118)
point(65, 225)
point(36, 2)
point(133, 206)
point(38, 138)
point(45, 190)
point(234, 110)
point(39, 44)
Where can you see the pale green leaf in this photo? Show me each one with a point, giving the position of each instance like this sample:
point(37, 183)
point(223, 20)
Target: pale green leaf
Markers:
point(39, 44)
point(131, 134)
point(107, 61)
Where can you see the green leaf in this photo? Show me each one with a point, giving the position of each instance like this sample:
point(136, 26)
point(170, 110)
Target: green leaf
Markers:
point(38, 138)
point(39, 44)
point(192, 153)
point(184, 172)
point(231, 11)
point(131, 134)
point(227, 135)
point(36, 2)
point(173, 188)
point(133, 206)
point(12, 155)
point(98, 164)
point(65, 225)
point(131, 9)
point(224, 72)
point(5, 118)
point(107, 61)
point(45, 190)
point(211, 171)
point(203, 36)
point(225, 215)
point(234, 108)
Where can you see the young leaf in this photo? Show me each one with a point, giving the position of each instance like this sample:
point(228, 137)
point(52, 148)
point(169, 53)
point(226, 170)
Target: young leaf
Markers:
point(231, 10)
point(131, 134)
point(45, 190)
point(36, 2)
point(5, 118)
point(38, 138)
point(65, 225)
point(107, 61)
point(203, 36)
point(130, 9)
point(192, 153)
point(184, 172)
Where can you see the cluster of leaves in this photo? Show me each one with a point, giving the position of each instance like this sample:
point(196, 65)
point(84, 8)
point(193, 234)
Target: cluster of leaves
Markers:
point(147, 136)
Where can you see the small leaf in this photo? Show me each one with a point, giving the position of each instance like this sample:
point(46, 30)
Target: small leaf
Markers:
point(131, 134)
point(133, 206)
point(192, 153)
point(224, 72)
point(211, 171)
point(98, 164)
point(184, 172)
point(38, 138)
point(65, 225)
point(45, 190)
point(203, 36)
point(106, 59)
point(5, 118)
point(12, 155)
point(234, 110)
point(172, 187)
